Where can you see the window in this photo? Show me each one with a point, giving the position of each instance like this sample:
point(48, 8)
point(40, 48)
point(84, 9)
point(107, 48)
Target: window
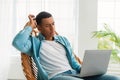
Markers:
point(109, 13)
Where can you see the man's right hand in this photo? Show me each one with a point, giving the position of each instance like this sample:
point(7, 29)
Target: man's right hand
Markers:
point(31, 22)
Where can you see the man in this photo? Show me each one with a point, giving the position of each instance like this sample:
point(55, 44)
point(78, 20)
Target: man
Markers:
point(52, 53)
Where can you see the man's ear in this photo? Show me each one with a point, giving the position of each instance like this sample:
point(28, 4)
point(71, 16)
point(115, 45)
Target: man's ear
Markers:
point(39, 27)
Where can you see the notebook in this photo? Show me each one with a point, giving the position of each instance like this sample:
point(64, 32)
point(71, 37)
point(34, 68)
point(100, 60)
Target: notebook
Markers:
point(95, 62)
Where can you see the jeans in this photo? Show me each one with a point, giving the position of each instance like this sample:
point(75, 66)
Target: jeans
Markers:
point(70, 75)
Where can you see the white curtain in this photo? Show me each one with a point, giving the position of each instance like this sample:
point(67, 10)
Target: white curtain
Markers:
point(13, 16)
point(6, 23)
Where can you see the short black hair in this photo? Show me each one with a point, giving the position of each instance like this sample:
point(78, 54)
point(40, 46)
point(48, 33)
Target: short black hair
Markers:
point(42, 15)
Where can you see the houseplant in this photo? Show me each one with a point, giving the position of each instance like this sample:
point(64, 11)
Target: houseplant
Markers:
point(108, 39)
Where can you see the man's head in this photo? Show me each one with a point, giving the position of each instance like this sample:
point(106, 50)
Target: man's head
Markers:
point(45, 24)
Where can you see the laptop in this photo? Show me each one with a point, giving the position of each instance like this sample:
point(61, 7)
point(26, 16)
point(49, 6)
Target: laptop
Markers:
point(95, 62)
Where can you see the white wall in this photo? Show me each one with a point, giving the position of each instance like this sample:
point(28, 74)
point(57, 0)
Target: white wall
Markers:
point(87, 24)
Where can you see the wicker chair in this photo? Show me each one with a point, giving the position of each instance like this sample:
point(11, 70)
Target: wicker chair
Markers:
point(29, 66)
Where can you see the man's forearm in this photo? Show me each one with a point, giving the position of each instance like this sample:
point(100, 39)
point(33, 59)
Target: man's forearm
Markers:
point(22, 40)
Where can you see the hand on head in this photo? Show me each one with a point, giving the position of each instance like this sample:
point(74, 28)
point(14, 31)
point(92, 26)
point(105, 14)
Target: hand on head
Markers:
point(32, 21)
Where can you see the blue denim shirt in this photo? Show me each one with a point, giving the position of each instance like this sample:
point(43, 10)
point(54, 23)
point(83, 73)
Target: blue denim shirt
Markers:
point(31, 45)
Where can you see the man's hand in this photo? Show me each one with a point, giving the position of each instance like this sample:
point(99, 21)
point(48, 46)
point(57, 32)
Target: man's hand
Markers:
point(31, 22)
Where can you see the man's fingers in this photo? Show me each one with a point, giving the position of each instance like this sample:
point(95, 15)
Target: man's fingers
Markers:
point(32, 22)
point(31, 17)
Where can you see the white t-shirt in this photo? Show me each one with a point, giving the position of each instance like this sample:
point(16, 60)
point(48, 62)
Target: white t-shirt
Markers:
point(53, 58)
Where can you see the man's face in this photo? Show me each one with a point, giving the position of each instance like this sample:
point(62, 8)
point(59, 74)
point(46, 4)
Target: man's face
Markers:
point(47, 27)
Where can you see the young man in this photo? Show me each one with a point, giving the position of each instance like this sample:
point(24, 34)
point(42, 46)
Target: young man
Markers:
point(52, 53)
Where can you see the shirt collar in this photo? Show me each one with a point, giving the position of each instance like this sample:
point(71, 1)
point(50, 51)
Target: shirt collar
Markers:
point(41, 37)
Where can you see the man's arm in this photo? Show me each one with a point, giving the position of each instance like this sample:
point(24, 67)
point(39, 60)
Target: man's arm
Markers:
point(73, 62)
point(22, 40)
